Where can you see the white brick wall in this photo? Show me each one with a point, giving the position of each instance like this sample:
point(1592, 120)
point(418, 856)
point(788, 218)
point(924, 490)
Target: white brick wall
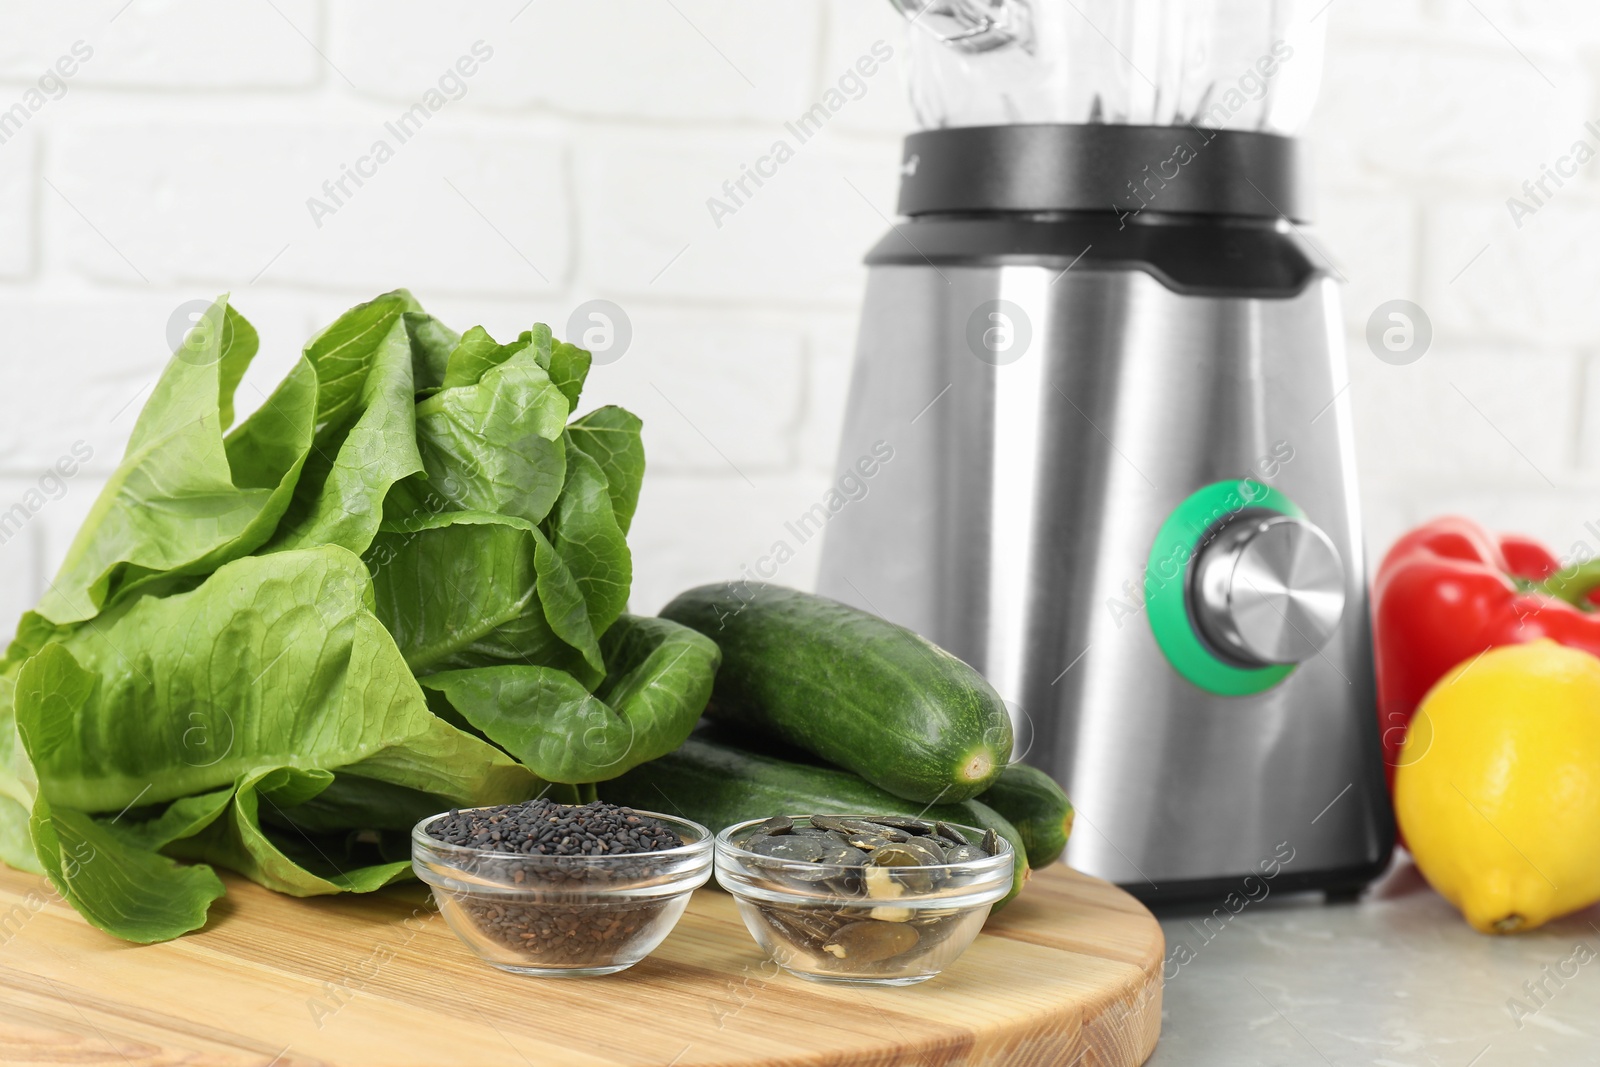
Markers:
point(172, 44)
point(574, 163)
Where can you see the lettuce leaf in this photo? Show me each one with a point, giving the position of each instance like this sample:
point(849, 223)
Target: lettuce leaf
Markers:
point(611, 437)
point(249, 690)
point(660, 680)
point(431, 344)
point(16, 842)
point(283, 863)
point(275, 660)
point(472, 589)
point(568, 366)
point(135, 893)
point(477, 354)
point(366, 419)
point(184, 501)
point(495, 446)
point(584, 533)
point(352, 800)
point(183, 818)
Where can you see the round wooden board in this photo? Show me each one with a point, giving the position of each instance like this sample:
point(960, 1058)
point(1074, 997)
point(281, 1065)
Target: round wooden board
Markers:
point(1070, 973)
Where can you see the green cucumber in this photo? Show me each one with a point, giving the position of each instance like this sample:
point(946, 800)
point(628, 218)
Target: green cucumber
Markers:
point(861, 692)
point(717, 785)
point(1032, 802)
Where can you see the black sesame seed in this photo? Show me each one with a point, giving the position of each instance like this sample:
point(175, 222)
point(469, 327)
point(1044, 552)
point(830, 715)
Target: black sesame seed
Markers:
point(547, 828)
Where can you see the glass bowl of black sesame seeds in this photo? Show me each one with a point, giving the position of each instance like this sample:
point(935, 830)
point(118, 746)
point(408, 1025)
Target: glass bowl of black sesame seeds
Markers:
point(874, 900)
point(553, 889)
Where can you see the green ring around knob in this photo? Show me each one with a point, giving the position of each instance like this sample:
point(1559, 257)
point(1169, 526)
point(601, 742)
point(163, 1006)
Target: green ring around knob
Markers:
point(1166, 581)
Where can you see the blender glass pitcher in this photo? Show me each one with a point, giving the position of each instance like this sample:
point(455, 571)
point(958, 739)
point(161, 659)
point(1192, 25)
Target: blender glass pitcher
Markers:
point(1219, 64)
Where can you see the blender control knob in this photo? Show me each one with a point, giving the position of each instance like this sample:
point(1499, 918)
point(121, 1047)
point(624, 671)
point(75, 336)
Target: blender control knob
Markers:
point(1268, 589)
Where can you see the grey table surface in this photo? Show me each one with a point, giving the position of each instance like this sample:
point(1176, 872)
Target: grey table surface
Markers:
point(1396, 979)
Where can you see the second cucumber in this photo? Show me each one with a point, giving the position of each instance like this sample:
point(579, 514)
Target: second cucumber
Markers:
point(1032, 801)
point(715, 782)
point(850, 687)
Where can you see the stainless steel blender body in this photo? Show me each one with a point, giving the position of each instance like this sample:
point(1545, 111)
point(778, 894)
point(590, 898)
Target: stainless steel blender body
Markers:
point(1122, 487)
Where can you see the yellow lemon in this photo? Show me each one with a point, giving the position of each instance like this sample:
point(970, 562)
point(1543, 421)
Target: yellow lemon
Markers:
point(1498, 788)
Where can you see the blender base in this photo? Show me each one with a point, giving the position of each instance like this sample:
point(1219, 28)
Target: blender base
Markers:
point(1338, 884)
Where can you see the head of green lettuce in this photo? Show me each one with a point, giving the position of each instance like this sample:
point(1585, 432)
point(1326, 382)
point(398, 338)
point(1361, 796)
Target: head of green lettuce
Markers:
point(398, 586)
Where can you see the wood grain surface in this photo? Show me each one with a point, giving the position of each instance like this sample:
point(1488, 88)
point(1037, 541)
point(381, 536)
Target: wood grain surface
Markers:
point(1069, 974)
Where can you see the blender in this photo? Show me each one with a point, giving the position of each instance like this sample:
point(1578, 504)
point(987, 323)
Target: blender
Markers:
point(1109, 362)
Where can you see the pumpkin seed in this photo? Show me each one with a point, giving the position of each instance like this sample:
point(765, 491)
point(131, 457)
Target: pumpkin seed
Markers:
point(908, 823)
point(951, 834)
point(904, 855)
point(896, 855)
point(842, 855)
point(991, 842)
point(828, 836)
point(926, 857)
point(787, 847)
point(778, 824)
point(801, 925)
point(846, 825)
point(932, 856)
point(965, 854)
point(868, 826)
point(881, 883)
point(867, 841)
point(847, 882)
point(869, 941)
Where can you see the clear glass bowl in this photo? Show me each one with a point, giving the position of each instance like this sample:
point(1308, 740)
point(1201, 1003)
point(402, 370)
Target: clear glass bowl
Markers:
point(864, 925)
point(563, 915)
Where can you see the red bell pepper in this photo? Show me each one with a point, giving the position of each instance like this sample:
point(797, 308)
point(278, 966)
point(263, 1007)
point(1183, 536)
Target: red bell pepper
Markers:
point(1450, 591)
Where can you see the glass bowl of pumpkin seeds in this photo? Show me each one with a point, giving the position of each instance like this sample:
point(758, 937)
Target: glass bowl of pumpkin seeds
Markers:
point(867, 899)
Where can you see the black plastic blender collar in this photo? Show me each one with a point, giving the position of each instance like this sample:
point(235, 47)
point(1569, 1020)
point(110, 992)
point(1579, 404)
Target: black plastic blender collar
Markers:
point(1127, 170)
